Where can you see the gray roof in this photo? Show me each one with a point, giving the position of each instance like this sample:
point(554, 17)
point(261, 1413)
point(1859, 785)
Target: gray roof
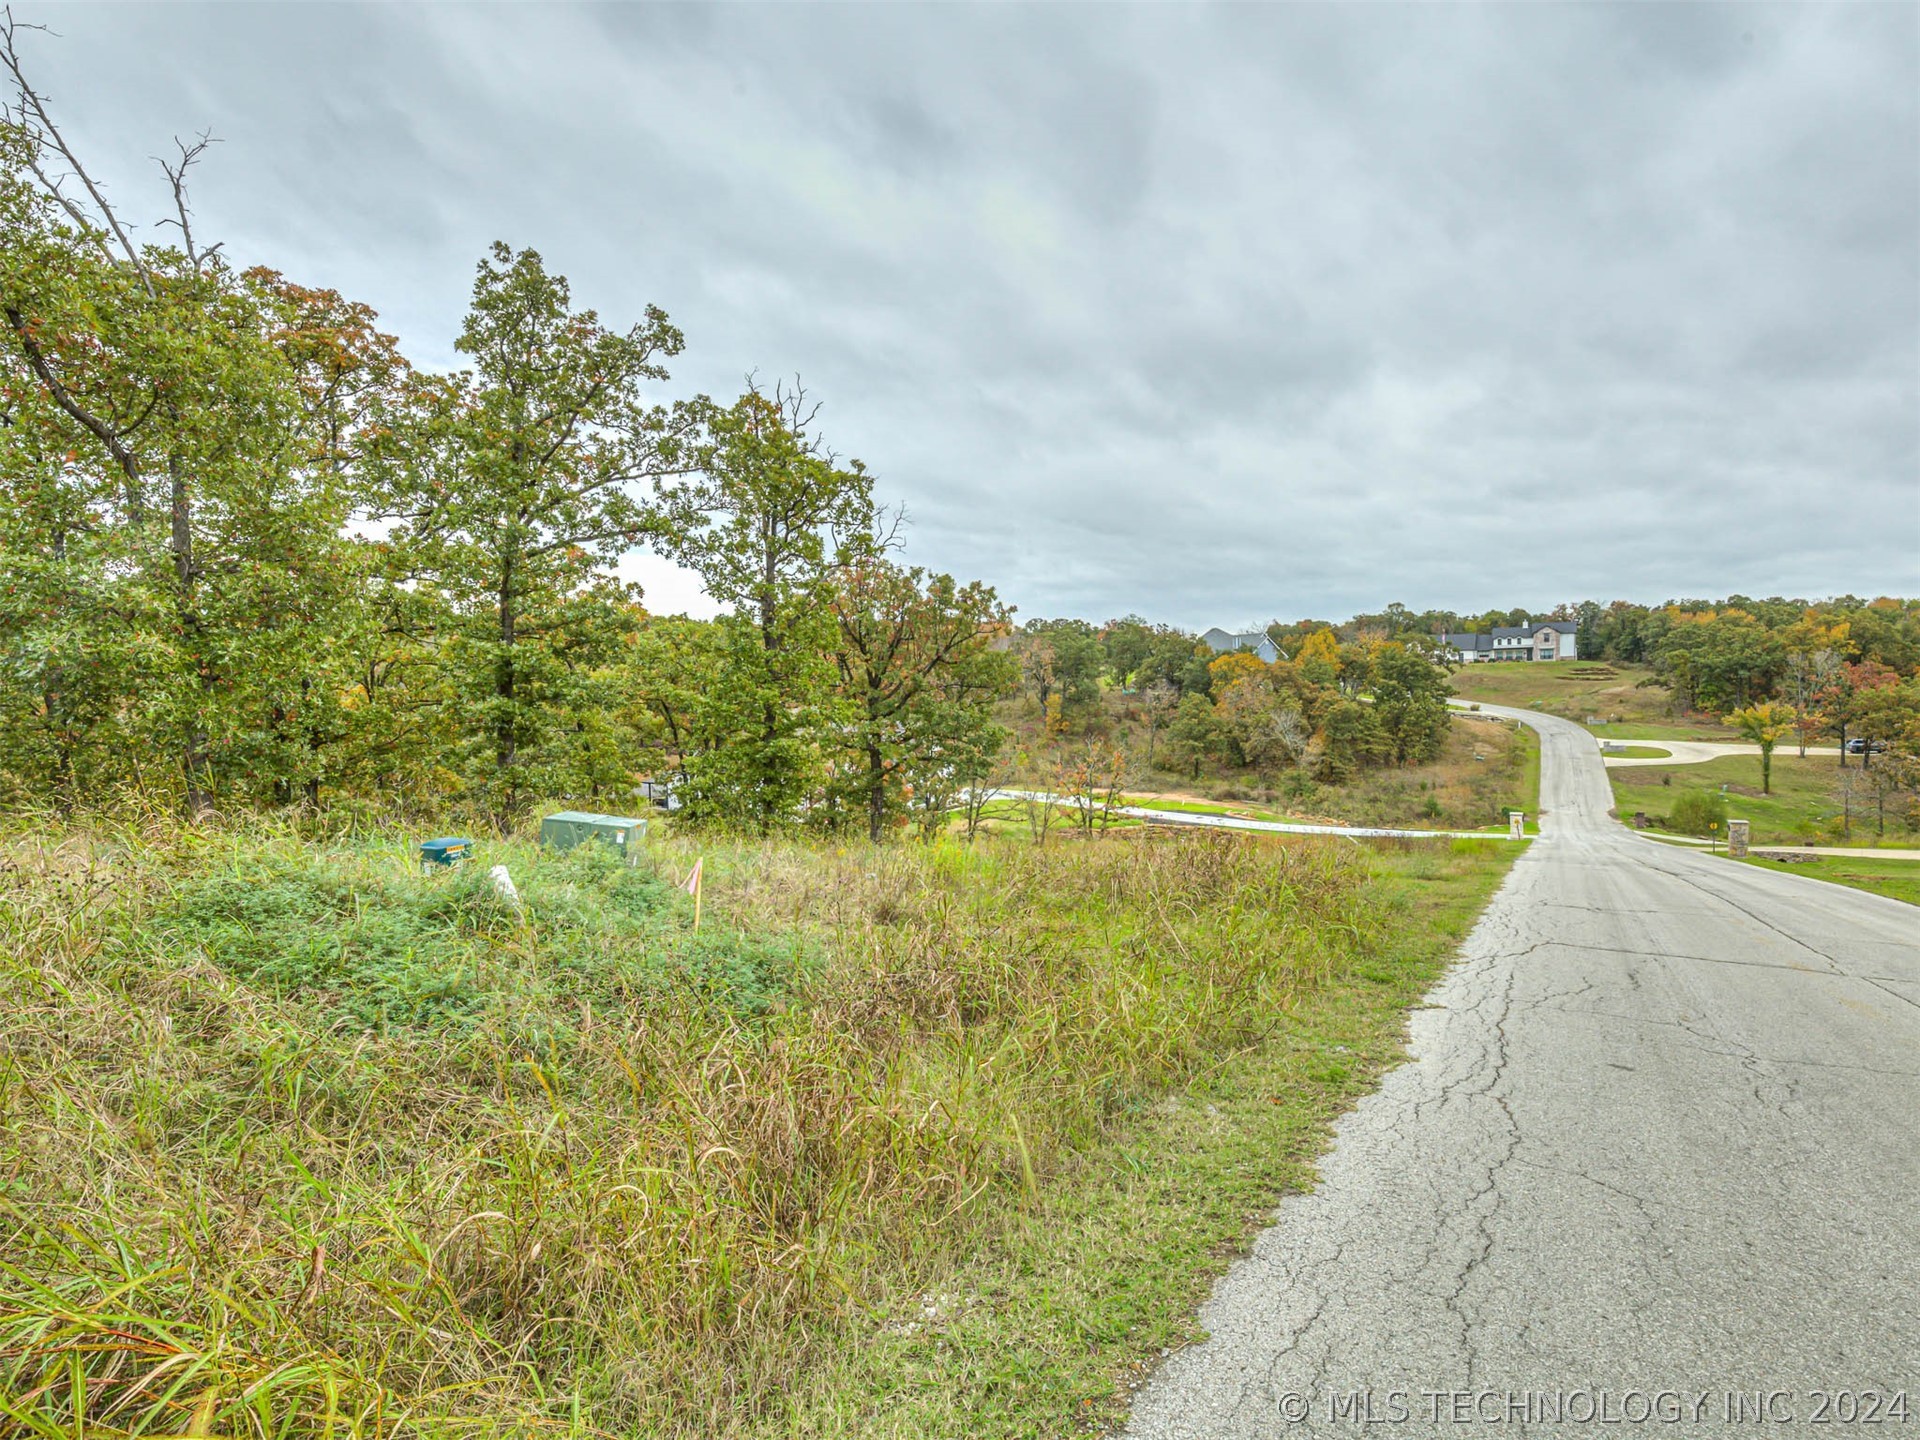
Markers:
point(1468, 640)
point(1526, 632)
point(1226, 641)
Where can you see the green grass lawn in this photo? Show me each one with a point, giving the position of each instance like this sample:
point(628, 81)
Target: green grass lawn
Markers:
point(1532, 827)
point(1896, 879)
point(1804, 804)
point(1529, 792)
point(1253, 810)
point(1636, 752)
point(1622, 706)
point(1699, 729)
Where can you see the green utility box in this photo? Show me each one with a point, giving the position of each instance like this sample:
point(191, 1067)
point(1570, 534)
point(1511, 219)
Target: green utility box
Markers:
point(574, 827)
point(447, 850)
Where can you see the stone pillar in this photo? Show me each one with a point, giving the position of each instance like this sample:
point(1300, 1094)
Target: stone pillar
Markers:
point(1517, 824)
point(1737, 831)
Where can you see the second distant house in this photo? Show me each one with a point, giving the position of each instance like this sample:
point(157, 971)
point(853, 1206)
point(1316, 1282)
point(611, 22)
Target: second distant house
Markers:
point(1257, 642)
point(1537, 640)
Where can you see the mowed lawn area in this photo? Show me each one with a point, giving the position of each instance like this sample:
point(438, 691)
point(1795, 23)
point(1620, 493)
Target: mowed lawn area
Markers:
point(1896, 879)
point(1807, 802)
point(1614, 695)
point(1694, 727)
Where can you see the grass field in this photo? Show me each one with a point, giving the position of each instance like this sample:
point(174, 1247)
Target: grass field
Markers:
point(925, 1140)
point(1487, 765)
point(1246, 809)
point(1805, 803)
point(1701, 727)
point(1896, 879)
point(1529, 788)
point(1623, 706)
point(1048, 1328)
point(1638, 752)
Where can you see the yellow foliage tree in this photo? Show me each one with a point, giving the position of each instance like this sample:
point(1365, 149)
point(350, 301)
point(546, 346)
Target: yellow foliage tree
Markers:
point(1318, 658)
point(1766, 725)
point(1241, 665)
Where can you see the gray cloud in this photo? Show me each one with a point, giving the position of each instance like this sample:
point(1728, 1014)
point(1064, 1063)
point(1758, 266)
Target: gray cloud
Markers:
point(1214, 313)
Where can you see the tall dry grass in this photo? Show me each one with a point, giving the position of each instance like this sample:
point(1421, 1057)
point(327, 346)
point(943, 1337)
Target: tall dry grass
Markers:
point(298, 1141)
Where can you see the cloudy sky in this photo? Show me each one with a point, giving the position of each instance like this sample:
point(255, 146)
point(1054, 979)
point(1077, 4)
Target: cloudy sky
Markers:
point(1218, 314)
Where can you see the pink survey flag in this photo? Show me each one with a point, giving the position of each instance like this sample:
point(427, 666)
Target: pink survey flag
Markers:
point(692, 887)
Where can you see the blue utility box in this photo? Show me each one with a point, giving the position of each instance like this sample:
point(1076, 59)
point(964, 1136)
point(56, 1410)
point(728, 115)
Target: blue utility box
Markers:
point(447, 850)
point(575, 827)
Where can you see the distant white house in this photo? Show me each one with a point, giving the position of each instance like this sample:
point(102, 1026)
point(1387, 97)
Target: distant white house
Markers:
point(1536, 640)
point(1225, 642)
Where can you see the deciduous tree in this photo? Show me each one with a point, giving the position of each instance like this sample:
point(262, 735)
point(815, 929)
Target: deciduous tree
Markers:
point(1766, 725)
point(1410, 703)
point(918, 678)
point(1158, 701)
point(515, 484)
point(167, 502)
point(768, 522)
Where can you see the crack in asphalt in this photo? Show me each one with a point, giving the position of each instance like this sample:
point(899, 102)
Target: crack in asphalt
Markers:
point(1719, 1212)
point(1642, 1203)
point(1483, 1220)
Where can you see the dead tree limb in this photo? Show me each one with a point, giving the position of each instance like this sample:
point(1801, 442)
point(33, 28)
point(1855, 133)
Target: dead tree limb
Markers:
point(32, 109)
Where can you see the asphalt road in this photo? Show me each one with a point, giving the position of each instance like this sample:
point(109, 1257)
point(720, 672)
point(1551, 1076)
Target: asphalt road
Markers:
point(1659, 1144)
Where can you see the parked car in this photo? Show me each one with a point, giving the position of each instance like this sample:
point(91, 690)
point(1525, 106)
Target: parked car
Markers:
point(1859, 746)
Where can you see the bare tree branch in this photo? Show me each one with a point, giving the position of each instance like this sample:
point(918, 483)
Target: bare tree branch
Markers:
point(89, 228)
point(888, 522)
point(795, 414)
point(176, 174)
point(32, 101)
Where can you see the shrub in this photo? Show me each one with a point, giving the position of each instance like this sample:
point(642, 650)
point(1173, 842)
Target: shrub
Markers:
point(1696, 812)
point(1297, 785)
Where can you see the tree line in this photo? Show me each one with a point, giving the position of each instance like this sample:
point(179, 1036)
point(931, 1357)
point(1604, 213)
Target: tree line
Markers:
point(1370, 691)
point(253, 556)
point(1328, 707)
point(1840, 669)
point(1844, 671)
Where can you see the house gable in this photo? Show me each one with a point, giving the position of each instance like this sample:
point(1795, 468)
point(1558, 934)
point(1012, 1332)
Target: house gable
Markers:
point(1226, 642)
